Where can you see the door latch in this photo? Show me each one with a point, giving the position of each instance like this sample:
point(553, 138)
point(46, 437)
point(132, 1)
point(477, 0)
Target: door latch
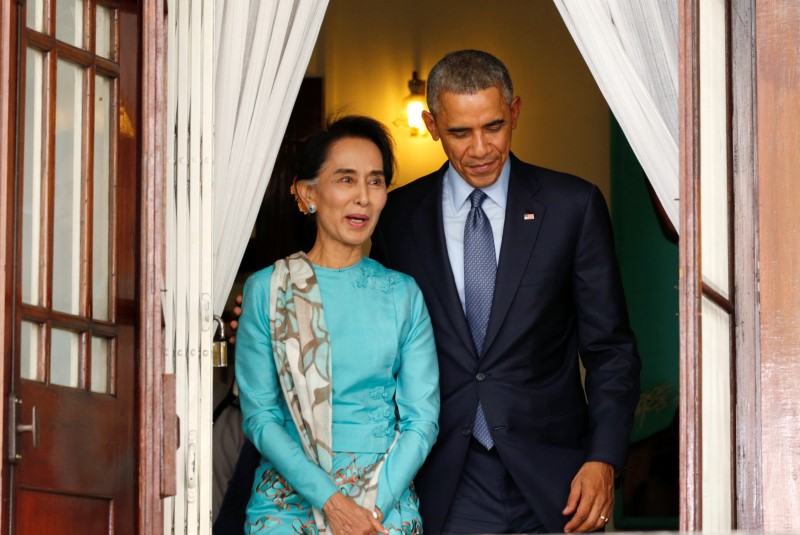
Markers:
point(14, 428)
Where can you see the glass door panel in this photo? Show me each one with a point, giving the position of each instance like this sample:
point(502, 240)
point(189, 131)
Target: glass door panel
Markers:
point(67, 199)
point(100, 358)
point(104, 32)
point(35, 15)
point(64, 358)
point(101, 194)
point(32, 178)
point(30, 356)
point(69, 22)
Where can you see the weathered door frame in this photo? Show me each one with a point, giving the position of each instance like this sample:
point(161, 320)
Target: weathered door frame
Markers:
point(8, 148)
point(157, 422)
point(747, 467)
point(690, 293)
point(743, 208)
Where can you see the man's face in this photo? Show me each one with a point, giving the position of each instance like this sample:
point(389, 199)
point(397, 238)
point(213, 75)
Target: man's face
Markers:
point(476, 133)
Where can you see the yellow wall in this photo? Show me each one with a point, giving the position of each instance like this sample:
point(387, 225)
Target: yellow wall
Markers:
point(368, 49)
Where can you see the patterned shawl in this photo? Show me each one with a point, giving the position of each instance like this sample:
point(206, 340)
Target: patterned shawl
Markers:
point(302, 351)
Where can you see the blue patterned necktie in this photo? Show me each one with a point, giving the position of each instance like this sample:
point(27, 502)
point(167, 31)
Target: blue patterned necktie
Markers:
point(480, 269)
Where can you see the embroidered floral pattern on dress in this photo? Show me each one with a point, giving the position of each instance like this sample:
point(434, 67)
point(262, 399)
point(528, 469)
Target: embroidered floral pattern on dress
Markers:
point(385, 284)
point(264, 524)
point(381, 432)
point(413, 526)
point(275, 487)
point(354, 480)
point(390, 282)
point(307, 527)
point(299, 526)
point(267, 523)
point(362, 281)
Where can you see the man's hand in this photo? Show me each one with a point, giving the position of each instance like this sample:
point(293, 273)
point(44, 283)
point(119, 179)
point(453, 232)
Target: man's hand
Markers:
point(591, 498)
point(346, 517)
point(234, 324)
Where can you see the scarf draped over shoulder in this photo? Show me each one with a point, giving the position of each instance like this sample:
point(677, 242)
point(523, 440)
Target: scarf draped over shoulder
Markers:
point(302, 351)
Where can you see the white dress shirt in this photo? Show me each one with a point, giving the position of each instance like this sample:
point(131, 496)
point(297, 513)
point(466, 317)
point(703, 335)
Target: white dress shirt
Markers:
point(455, 208)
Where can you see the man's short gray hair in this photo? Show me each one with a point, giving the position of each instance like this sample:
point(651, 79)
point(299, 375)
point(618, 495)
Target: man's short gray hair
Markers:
point(467, 72)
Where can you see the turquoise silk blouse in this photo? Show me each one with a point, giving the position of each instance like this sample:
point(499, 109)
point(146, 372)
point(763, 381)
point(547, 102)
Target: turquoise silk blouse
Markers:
point(385, 378)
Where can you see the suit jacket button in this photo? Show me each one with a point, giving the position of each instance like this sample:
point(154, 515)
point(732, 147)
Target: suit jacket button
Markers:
point(466, 431)
point(480, 376)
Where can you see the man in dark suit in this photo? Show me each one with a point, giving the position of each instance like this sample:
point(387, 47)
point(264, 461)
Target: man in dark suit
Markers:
point(518, 269)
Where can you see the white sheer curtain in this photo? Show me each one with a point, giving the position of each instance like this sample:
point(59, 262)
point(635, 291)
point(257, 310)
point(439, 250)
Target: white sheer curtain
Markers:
point(234, 68)
point(631, 47)
point(261, 53)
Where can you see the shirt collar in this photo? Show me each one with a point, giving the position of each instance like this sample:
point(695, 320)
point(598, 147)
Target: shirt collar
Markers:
point(459, 190)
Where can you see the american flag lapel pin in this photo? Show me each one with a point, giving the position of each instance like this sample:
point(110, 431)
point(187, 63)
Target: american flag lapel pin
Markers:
point(528, 216)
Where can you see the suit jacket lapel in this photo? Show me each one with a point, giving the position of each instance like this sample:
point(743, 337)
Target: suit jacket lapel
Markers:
point(427, 227)
point(520, 231)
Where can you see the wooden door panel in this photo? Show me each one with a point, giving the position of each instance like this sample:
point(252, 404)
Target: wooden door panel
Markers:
point(45, 512)
point(81, 435)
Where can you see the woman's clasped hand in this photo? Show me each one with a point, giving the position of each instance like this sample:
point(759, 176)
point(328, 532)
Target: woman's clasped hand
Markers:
point(346, 517)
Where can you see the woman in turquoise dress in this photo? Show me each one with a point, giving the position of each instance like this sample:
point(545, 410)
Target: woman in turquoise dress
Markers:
point(336, 362)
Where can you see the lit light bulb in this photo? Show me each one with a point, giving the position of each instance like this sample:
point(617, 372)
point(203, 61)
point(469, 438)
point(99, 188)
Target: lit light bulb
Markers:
point(414, 112)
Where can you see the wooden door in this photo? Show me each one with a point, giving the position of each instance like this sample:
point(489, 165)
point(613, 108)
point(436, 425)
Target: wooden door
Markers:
point(73, 444)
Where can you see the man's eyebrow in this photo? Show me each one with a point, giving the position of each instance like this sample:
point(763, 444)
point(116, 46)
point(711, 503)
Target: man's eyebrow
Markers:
point(490, 124)
point(458, 129)
point(496, 122)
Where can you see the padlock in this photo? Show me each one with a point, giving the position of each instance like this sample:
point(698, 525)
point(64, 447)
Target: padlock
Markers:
point(220, 359)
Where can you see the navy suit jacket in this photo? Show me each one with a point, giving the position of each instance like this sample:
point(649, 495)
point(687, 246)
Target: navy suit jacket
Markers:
point(558, 296)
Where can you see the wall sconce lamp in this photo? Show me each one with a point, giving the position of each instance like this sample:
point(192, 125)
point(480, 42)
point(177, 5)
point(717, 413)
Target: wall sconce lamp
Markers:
point(413, 105)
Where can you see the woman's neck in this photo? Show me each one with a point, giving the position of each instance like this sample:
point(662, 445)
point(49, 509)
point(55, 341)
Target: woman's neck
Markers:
point(334, 257)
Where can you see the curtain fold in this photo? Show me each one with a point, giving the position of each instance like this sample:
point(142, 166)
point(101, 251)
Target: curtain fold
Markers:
point(631, 48)
point(257, 75)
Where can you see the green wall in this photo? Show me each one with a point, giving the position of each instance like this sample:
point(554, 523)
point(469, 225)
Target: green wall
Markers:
point(649, 266)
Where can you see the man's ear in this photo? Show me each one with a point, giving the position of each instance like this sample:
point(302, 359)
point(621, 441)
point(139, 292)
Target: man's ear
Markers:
point(430, 124)
point(516, 105)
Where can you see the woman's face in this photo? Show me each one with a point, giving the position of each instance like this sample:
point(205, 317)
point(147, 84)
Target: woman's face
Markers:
point(350, 192)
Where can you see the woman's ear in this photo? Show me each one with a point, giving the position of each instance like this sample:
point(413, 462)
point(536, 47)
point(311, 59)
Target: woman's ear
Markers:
point(307, 192)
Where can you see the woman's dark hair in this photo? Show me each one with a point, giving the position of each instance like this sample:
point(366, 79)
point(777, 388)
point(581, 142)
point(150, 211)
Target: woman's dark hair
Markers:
point(355, 126)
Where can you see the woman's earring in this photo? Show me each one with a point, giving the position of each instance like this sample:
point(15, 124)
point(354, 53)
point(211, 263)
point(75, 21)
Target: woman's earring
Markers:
point(312, 209)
